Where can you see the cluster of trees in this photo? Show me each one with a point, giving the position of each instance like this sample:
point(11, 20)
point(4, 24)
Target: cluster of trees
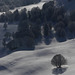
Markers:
point(7, 35)
point(38, 22)
point(23, 38)
point(16, 16)
point(5, 5)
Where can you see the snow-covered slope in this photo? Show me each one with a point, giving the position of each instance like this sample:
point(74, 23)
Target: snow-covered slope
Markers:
point(38, 62)
point(28, 7)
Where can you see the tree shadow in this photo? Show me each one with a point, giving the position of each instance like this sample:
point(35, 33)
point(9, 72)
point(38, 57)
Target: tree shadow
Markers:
point(5, 51)
point(58, 71)
point(44, 53)
point(2, 68)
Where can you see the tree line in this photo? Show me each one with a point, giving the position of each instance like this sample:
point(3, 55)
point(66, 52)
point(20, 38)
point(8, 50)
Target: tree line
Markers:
point(33, 25)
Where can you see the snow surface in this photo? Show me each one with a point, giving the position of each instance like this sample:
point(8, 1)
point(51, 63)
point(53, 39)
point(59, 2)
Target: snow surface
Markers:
point(28, 7)
point(38, 62)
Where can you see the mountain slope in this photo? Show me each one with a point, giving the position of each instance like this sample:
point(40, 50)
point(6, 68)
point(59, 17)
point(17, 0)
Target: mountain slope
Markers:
point(38, 62)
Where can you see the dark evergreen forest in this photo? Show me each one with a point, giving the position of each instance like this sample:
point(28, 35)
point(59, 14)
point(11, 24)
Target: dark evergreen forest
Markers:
point(40, 24)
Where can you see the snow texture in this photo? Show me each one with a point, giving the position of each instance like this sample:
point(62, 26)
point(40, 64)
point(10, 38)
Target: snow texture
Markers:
point(38, 61)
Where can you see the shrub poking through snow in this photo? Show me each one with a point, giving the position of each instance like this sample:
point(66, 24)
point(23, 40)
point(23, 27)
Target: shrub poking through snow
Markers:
point(58, 60)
